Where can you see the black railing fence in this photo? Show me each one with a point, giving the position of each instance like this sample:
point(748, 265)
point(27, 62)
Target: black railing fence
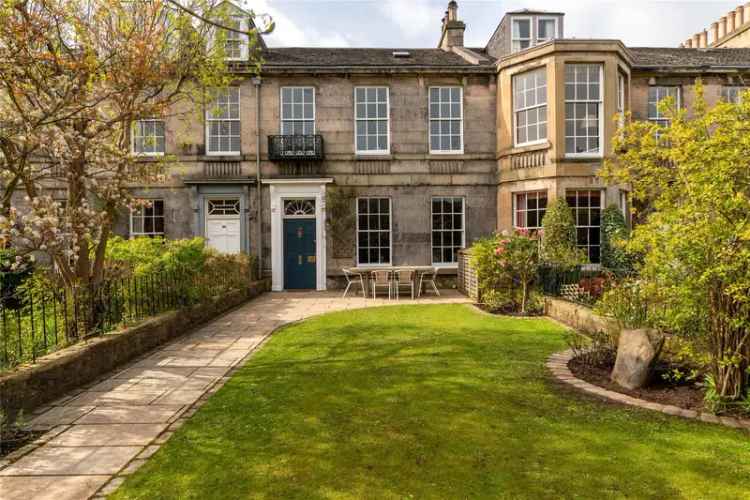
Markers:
point(37, 320)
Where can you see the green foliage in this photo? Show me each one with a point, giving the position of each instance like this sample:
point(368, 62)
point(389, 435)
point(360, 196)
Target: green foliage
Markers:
point(615, 234)
point(145, 255)
point(559, 236)
point(627, 302)
point(693, 176)
point(506, 268)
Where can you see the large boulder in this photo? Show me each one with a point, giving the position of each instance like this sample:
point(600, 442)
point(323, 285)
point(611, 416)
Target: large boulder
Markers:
point(637, 353)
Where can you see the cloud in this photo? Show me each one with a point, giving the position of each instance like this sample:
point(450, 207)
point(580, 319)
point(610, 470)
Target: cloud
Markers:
point(414, 18)
point(289, 34)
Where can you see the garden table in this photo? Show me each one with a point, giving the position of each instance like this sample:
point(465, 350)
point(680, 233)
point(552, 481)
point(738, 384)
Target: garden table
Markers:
point(366, 272)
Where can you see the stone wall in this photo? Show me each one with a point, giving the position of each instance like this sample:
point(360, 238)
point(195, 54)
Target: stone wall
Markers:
point(51, 376)
point(578, 317)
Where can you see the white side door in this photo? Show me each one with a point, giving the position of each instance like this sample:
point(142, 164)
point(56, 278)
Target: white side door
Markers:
point(223, 235)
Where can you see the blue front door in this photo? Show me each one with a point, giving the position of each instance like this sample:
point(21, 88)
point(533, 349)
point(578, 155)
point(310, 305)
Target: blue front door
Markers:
point(299, 254)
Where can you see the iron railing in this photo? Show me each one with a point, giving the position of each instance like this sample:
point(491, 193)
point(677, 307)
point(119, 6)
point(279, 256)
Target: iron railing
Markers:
point(295, 147)
point(36, 320)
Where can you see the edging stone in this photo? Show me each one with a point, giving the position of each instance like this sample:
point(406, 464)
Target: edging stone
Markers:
point(558, 365)
point(33, 385)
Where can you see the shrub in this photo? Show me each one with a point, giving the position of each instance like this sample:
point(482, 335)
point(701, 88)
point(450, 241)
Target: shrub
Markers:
point(614, 234)
point(627, 302)
point(559, 237)
point(145, 255)
point(506, 267)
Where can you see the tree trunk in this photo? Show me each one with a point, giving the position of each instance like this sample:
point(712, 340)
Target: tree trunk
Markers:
point(730, 349)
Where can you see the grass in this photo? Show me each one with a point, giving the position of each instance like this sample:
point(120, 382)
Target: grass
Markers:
point(430, 402)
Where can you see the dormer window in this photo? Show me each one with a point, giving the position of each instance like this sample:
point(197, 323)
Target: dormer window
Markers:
point(235, 44)
point(546, 29)
point(521, 36)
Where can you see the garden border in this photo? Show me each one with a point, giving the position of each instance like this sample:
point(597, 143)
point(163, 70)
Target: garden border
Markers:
point(558, 365)
point(32, 385)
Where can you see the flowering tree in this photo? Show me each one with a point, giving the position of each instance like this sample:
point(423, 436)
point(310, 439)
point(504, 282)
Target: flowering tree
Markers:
point(507, 263)
point(74, 76)
point(694, 175)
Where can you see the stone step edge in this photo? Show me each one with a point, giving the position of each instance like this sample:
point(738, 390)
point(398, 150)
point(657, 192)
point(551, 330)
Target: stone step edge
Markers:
point(558, 365)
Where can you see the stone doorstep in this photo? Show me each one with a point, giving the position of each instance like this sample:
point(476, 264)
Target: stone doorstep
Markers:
point(618, 397)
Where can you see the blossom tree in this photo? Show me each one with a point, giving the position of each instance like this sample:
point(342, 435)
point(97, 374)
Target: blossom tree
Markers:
point(74, 76)
point(694, 243)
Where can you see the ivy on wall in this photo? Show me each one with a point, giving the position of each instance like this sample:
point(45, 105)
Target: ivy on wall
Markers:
point(341, 221)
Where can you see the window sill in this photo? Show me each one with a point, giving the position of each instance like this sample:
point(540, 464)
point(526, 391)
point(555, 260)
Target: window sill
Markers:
point(583, 158)
point(439, 155)
point(526, 148)
point(221, 157)
point(385, 156)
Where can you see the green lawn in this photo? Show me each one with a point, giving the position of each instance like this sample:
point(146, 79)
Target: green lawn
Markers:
point(430, 402)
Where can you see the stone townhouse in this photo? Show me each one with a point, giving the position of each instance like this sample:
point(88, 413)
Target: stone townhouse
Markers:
point(425, 149)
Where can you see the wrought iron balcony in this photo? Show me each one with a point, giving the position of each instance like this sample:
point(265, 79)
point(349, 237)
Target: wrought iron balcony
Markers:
point(295, 147)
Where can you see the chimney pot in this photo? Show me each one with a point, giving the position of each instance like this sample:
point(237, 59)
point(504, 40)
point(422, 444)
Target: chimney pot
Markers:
point(730, 22)
point(703, 39)
point(714, 32)
point(453, 29)
point(697, 40)
point(739, 16)
point(746, 13)
point(722, 27)
point(689, 43)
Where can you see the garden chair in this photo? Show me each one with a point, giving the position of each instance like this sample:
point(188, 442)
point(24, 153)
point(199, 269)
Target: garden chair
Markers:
point(382, 279)
point(404, 279)
point(428, 278)
point(353, 278)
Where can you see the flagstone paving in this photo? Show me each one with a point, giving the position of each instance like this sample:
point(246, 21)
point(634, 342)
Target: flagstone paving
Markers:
point(99, 434)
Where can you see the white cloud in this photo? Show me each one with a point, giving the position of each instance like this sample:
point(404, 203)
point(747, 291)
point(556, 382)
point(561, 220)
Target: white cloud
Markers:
point(414, 18)
point(289, 34)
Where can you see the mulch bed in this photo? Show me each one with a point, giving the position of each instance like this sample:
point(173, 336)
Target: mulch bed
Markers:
point(688, 396)
point(13, 439)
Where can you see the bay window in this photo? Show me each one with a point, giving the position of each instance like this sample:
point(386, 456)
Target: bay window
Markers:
point(529, 209)
point(583, 109)
point(530, 107)
point(586, 205)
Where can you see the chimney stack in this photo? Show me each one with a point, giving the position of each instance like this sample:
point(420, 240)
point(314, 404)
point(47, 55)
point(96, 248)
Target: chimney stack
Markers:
point(453, 29)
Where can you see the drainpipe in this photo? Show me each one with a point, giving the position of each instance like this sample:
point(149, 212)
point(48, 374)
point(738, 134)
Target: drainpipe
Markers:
point(257, 81)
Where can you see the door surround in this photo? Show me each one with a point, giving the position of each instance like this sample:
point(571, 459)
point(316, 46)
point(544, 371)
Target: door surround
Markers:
point(281, 189)
point(226, 217)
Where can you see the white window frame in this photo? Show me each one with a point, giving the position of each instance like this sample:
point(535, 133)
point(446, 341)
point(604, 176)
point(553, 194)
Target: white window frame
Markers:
point(133, 138)
point(366, 152)
point(516, 111)
point(725, 89)
point(658, 118)
point(243, 39)
point(556, 30)
point(134, 214)
point(433, 230)
point(536, 192)
point(282, 119)
point(513, 39)
point(390, 232)
point(600, 103)
point(574, 209)
point(430, 120)
point(209, 119)
point(621, 88)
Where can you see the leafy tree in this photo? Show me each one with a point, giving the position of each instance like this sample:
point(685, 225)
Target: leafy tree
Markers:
point(694, 173)
point(74, 76)
point(614, 235)
point(559, 242)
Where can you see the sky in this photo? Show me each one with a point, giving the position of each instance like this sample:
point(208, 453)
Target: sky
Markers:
point(416, 23)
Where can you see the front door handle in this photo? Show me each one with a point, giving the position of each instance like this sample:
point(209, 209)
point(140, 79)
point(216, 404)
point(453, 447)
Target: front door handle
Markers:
point(311, 259)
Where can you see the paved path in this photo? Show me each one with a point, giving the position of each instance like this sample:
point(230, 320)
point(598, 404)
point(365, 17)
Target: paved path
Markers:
point(101, 433)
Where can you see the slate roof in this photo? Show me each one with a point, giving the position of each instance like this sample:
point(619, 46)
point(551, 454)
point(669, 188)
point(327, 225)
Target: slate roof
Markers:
point(314, 57)
point(684, 58)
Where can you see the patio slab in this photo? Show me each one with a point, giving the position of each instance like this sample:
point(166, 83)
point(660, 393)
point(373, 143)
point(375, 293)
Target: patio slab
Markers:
point(137, 408)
